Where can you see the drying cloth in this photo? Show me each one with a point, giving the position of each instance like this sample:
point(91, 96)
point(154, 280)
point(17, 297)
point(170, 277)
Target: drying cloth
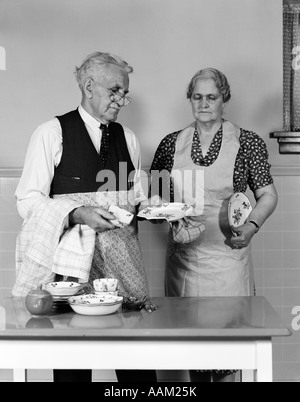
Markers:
point(186, 230)
point(45, 247)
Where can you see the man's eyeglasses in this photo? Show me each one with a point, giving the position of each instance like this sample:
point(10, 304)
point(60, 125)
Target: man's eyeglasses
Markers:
point(116, 95)
point(211, 99)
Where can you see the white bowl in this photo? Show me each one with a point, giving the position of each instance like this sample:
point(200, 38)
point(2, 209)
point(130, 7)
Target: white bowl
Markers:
point(106, 284)
point(62, 288)
point(95, 305)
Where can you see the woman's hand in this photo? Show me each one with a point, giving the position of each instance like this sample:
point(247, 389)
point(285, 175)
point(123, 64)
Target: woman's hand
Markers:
point(266, 202)
point(96, 218)
point(242, 235)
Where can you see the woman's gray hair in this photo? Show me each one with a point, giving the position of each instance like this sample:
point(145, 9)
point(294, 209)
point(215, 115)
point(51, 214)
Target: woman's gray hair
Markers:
point(91, 66)
point(216, 75)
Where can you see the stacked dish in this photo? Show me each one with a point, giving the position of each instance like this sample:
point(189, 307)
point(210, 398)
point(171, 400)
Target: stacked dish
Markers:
point(61, 291)
point(106, 287)
point(95, 305)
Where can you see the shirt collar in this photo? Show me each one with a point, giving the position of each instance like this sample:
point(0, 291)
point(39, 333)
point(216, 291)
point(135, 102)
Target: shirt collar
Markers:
point(88, 119)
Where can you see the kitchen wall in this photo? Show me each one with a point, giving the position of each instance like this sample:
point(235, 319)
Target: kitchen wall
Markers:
point(166, 41)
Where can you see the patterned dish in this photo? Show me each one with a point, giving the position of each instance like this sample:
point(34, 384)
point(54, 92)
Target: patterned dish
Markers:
point(171, 212)
point(62, 289)
point(239, 209)
point(95, 305)
point(123, 217)
point(106, 285)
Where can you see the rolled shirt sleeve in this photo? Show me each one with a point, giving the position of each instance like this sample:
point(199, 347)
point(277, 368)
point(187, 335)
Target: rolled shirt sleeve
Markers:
point(43, 154)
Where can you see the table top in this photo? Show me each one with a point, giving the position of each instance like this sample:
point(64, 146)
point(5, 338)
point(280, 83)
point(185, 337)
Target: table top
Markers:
point(176, 318)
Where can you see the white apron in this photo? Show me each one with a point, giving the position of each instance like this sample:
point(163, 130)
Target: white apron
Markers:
point(209, 266)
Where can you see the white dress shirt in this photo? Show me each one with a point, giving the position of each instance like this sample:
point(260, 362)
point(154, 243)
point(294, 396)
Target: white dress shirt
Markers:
point(44, 154)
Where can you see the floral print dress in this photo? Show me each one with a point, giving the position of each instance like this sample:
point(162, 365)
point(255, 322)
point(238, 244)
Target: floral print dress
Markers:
point(251, 166)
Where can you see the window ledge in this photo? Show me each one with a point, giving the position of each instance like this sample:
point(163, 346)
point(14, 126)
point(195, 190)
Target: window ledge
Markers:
point(289, 141)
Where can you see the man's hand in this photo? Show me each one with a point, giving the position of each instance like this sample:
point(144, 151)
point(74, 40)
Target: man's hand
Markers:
point(95, 217)
point(242, 235)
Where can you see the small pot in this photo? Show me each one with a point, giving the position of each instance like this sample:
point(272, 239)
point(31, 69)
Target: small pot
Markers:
point(39, 302)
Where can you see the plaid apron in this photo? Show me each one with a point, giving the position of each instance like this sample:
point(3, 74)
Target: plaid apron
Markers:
point(117, 252)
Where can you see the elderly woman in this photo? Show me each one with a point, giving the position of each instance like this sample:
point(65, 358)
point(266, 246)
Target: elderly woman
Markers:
point(218, 262)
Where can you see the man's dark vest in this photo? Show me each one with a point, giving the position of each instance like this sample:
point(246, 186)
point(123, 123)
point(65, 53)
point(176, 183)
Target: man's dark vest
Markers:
point(81, 164)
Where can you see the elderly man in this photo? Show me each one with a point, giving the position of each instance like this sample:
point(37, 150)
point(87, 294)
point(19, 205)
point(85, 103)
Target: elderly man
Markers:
point(77, 166)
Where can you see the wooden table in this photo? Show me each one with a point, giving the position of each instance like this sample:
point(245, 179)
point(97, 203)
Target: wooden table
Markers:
point(184, 333)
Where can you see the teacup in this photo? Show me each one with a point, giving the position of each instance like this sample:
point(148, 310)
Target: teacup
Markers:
point(101, 294)
point(106, 285)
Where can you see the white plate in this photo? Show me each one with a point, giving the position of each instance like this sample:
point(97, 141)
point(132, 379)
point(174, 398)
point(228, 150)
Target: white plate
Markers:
point(62, 289)
point(61, 298)
point(57, 303)
point(95, 305)
point(239, 209)
point(170, 212)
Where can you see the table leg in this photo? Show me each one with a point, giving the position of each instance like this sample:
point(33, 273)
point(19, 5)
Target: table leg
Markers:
point(20, 375)
point(247, 376)
point(264, 372)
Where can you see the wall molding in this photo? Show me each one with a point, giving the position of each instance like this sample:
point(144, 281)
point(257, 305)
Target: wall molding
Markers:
point(285, 170)
point(10, 172)
point(275, 170)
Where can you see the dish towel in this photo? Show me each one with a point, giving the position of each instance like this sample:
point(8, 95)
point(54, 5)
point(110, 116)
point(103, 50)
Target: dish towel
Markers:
point(45, 248)
point(186, 230)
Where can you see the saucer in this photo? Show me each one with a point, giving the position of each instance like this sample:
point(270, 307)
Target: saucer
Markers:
point(171, 212)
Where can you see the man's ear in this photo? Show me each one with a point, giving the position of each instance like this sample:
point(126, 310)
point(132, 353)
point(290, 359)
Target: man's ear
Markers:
point(88, 88)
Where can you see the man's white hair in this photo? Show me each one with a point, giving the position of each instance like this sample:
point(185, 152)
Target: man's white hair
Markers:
point(91, 66)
